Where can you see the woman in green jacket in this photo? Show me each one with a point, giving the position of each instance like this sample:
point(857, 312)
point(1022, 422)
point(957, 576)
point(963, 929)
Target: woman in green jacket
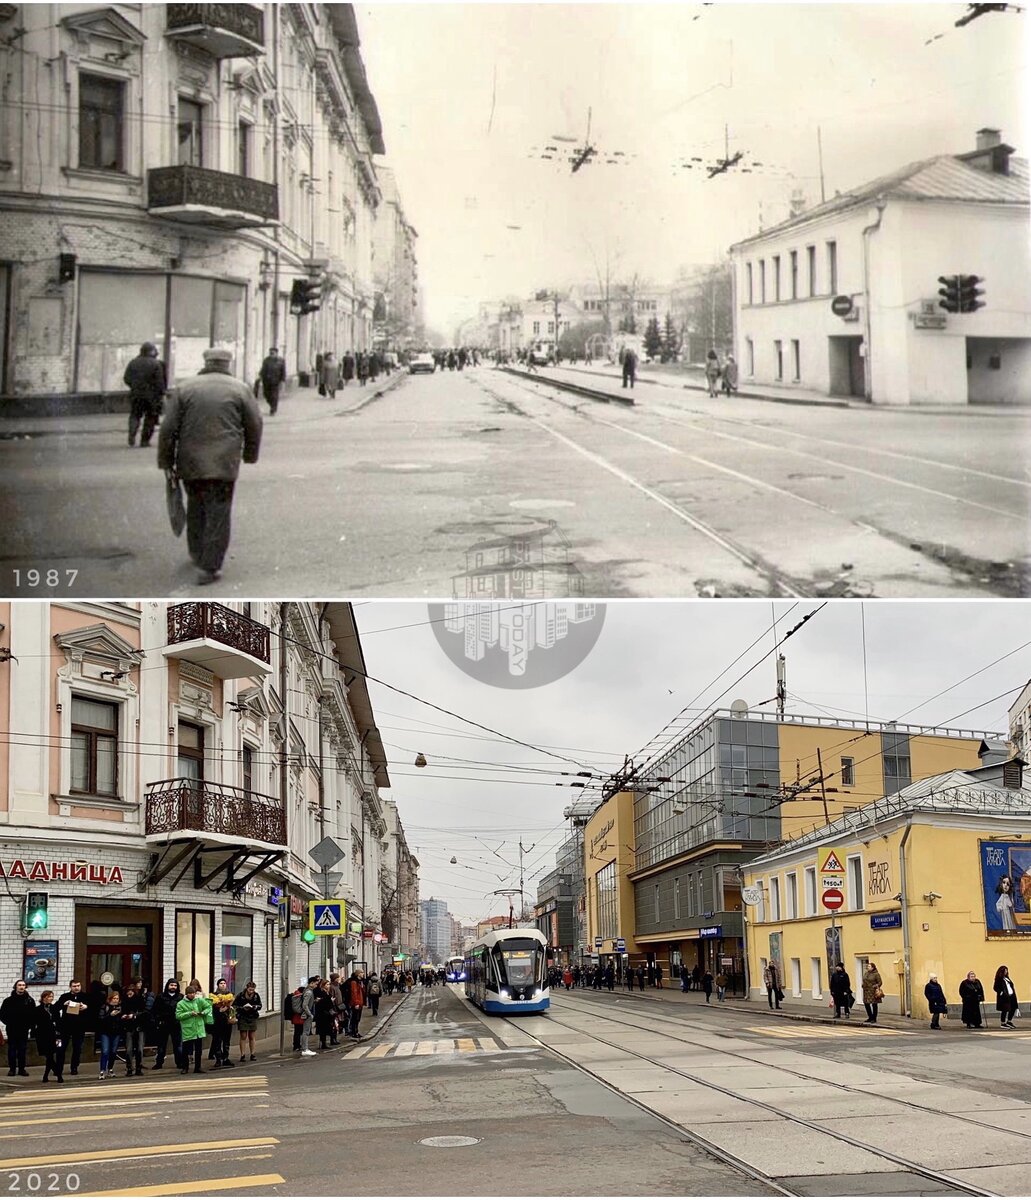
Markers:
point(194, 1015)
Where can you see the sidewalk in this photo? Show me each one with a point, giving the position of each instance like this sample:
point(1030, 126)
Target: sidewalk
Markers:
point(657, 376)
point(295, 407)
point(789, 1010)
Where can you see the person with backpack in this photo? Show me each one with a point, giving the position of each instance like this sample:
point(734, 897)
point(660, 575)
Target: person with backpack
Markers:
point(374, 992)
point(193, 1013)
point(308, 1015)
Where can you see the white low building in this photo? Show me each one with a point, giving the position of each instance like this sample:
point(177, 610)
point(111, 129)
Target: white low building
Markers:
point(844, 298)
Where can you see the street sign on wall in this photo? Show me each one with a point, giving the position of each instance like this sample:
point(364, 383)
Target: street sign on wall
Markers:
point(888, 920)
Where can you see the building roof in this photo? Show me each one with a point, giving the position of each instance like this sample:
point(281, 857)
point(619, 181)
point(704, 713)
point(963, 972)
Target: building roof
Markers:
point(944, 177)
point(951, 792)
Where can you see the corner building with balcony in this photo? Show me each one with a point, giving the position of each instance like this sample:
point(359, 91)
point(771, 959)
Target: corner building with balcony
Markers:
point(168, 771)
point(167, 172)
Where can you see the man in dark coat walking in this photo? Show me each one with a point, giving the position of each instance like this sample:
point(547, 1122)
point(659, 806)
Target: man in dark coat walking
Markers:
point(629, 367)
point(146, 379)
point(212, 421)
point(272, 377)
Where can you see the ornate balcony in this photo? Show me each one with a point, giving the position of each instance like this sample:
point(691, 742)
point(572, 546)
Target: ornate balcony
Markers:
point(214, 637)
point(228, 814)
point(222, 30)
point(199, 196)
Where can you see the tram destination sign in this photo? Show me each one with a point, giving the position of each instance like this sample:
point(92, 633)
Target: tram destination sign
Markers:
point(60, 871)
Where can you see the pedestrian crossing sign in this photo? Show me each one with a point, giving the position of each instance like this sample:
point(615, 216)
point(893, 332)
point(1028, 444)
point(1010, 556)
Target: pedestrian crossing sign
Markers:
point(832, 862)
point(326, 916)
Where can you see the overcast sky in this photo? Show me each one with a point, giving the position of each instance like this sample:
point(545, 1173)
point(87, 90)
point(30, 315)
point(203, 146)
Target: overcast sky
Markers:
point(652, 659)
point(466, 91)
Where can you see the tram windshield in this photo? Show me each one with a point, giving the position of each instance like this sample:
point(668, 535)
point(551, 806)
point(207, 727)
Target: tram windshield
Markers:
point(522, 961)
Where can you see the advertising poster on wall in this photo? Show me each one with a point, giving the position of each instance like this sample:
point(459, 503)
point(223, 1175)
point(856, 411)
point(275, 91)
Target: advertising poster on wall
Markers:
point(1006, 888)
point(40, 961)
point(777, 951)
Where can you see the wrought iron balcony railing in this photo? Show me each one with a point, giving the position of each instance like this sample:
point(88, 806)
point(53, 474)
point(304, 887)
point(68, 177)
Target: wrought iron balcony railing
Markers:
point(200, 195)
point(186, 805)
point(223, 30)
point(203, 619)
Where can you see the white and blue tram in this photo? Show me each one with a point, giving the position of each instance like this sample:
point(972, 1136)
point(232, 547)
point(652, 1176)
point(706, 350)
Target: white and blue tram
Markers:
point(506, 972)
point(454, 969)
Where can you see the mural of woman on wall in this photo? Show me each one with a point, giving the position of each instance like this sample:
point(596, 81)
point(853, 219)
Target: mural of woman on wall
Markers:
point(1004, 904)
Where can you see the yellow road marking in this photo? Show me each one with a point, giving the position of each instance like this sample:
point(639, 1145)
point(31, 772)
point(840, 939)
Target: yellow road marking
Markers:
point(61, 1101)
point(379, 1051)
point(123, 1089)
point(837, 1031)
point(404, 1049)
point(134, 1152)
point(66, 1120)
point(360, 1052)
point(466, 1044)
point(238, 1183)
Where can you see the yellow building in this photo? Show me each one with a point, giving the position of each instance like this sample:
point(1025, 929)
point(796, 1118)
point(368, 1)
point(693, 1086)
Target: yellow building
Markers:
point(608, 858)
point(738, 783)
point(934, 879)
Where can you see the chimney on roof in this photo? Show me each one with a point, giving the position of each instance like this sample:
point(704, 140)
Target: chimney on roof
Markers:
point(992, 154)
point(993, 751)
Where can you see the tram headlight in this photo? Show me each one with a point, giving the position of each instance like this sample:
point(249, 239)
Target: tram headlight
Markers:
point(504, 992)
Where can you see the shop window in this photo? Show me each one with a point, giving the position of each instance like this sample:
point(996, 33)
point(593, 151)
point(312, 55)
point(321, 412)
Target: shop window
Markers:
point(194, 947)
point(236, 956)
point(101, 123)
point(191, 752)
point(94, 747)
point(117, 312)
point(271, 989)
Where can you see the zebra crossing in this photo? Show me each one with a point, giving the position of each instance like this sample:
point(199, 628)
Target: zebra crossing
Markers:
point(438, 1046)
point(806, 1031)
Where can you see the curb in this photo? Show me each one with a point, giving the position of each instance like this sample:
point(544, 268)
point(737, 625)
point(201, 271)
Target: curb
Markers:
point(398, 379)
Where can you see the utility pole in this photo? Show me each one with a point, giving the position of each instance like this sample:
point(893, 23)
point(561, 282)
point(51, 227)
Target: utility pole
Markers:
point(782, 688)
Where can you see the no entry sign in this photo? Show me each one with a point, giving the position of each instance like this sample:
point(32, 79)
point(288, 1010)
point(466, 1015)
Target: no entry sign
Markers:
point(833, 899)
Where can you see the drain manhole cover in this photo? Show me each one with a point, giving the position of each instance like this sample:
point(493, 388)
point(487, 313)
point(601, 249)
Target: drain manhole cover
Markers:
point(448, 1142)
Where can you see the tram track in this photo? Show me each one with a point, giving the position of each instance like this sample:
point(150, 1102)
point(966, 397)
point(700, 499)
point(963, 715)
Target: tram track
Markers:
point(1004, 577)
point(924, 1172)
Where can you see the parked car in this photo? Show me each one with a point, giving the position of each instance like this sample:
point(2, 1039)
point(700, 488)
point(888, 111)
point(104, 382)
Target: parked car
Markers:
point(422, 363)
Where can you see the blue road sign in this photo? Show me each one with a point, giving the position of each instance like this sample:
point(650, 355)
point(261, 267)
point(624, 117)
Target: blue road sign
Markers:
point(326, 916)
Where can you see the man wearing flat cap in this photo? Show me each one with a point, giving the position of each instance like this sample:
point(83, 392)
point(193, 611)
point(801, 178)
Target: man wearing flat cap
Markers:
point(212, 422)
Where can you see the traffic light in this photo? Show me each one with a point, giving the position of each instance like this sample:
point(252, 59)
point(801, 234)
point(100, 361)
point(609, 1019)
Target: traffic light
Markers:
point(970, 294)
point(305, 296)
point(308, 936)
point(949, 293)
point(36, 916)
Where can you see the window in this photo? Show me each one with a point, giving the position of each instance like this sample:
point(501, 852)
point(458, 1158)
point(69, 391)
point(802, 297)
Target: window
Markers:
point(762, 280)
point(656, 902)
point(775, 899)
point(236, 956)
point(778, 353)
point(810, 891)
point(748, 277)
point(810, 252)
point(243, 156)
point(248, 771)
point(191, 752)
point(895, 753)
point(551, 327)
point(796, 360)
point(848, 772)
point(194, 947)
point(94, 747)
point(101, 123)
point(791, 895)
point(536, 326)
point(760, 908)
point(814, 977)
point(605, 901)
point(190, 132)
point(750, 355)
point(794, 274)
point(854, 882)
point(796, 977)
point(832, 268)
point(676, 898)
point(776, 277)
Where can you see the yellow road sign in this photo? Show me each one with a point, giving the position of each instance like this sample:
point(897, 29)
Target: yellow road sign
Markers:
point(832, 861)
